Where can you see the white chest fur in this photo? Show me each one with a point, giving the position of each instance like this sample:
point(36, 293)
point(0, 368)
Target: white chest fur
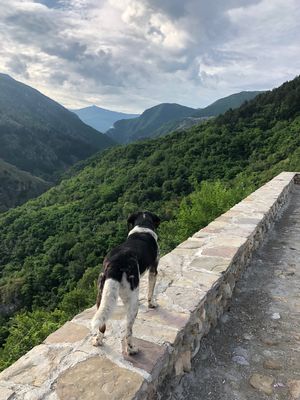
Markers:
point(139, 229)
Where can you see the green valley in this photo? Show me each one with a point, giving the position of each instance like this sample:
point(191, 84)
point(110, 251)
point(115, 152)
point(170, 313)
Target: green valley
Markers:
point(53, 246)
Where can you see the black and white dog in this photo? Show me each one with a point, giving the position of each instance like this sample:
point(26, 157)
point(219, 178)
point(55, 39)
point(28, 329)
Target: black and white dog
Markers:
point(122, 268)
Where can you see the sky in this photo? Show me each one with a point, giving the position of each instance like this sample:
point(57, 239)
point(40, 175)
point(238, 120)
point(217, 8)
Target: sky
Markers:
point(128, 55)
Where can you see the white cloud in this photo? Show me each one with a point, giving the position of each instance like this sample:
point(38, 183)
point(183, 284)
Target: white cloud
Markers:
point(132, 54)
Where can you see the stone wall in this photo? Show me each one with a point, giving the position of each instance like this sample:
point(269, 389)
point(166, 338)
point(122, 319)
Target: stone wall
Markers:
point(194, 287)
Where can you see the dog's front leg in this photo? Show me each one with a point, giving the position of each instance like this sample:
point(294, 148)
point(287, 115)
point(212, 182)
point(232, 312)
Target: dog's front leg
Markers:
point(132, 310)
point(151, 285)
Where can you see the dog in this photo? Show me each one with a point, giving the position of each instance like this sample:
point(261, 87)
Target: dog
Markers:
point(122, 268)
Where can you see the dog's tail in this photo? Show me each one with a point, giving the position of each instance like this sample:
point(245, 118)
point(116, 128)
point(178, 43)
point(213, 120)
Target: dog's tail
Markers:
point(106, 301)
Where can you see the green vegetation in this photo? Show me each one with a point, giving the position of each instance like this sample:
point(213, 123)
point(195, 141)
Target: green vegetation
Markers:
point(52, 247)
point(27, 330)
point(222, 105)
point(18, 186)
point(203, 205)
point(151, 120)
point(164, 118)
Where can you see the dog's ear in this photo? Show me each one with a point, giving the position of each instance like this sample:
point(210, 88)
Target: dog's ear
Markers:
point(130, 220)
point(155, 219)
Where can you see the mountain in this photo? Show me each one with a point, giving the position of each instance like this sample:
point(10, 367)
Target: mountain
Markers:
point(222, 105)
point(52, 247)
point(100, 118)
point(125, 131)
point(39, 135)
point(166, 118)
point(18, 186)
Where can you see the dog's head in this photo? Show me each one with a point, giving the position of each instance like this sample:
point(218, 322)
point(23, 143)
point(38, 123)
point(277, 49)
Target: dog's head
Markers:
point(144, 219)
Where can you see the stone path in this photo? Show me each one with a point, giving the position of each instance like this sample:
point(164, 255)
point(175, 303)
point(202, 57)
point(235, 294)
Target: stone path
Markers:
point(254, 351)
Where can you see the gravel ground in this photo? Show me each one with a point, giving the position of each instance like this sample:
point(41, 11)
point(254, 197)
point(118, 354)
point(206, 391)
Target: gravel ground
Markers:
point(254, 352)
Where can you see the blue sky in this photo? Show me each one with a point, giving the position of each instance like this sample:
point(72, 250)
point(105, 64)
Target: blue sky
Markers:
point(128, 55)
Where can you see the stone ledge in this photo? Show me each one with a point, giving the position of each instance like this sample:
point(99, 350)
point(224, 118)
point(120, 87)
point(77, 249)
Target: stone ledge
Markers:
point(194, 287)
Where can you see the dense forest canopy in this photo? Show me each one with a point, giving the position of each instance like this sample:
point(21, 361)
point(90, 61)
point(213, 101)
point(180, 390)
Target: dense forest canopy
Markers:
point(129, 130)
point(52, 247)
point(222, 105)
point(18, 186)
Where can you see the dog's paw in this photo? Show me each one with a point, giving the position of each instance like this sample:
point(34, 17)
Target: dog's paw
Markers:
point(132, 349)
point(98, 340)
point(151, 304)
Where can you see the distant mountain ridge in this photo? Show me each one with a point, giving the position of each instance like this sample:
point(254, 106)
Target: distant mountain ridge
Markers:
point(224, 104)
point(167, 117)
point(101, 118)
point(39, 135)
point(148, 122)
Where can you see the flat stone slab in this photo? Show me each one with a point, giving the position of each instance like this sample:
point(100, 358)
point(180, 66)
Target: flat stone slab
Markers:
point(294, 388)
point(149, 356)
point(200, 279)
point(68, 333)
point(220, 251)
point(159, 325)
point(213, 264)
point(159, 334)
point(6, 394)
point(181, 299)
point(85, 316)
point(35, 367)
point(161, 316)
point(262, 382)
point(192, 244)
point(97, 379)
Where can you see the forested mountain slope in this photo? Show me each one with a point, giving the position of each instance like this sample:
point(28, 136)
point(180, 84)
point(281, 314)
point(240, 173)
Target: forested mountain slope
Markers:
point(18, 186)
point(129, 130)
point(166, 118)
point(222, 105)
point(52, 247)
point(39, 135)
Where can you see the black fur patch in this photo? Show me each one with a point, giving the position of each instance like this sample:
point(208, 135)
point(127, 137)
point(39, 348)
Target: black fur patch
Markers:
point(137, 254)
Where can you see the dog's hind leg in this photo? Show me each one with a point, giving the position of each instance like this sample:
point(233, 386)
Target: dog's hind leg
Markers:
point(97, 340)
point(132, 310)
point(106, 302)
point(151, 284)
